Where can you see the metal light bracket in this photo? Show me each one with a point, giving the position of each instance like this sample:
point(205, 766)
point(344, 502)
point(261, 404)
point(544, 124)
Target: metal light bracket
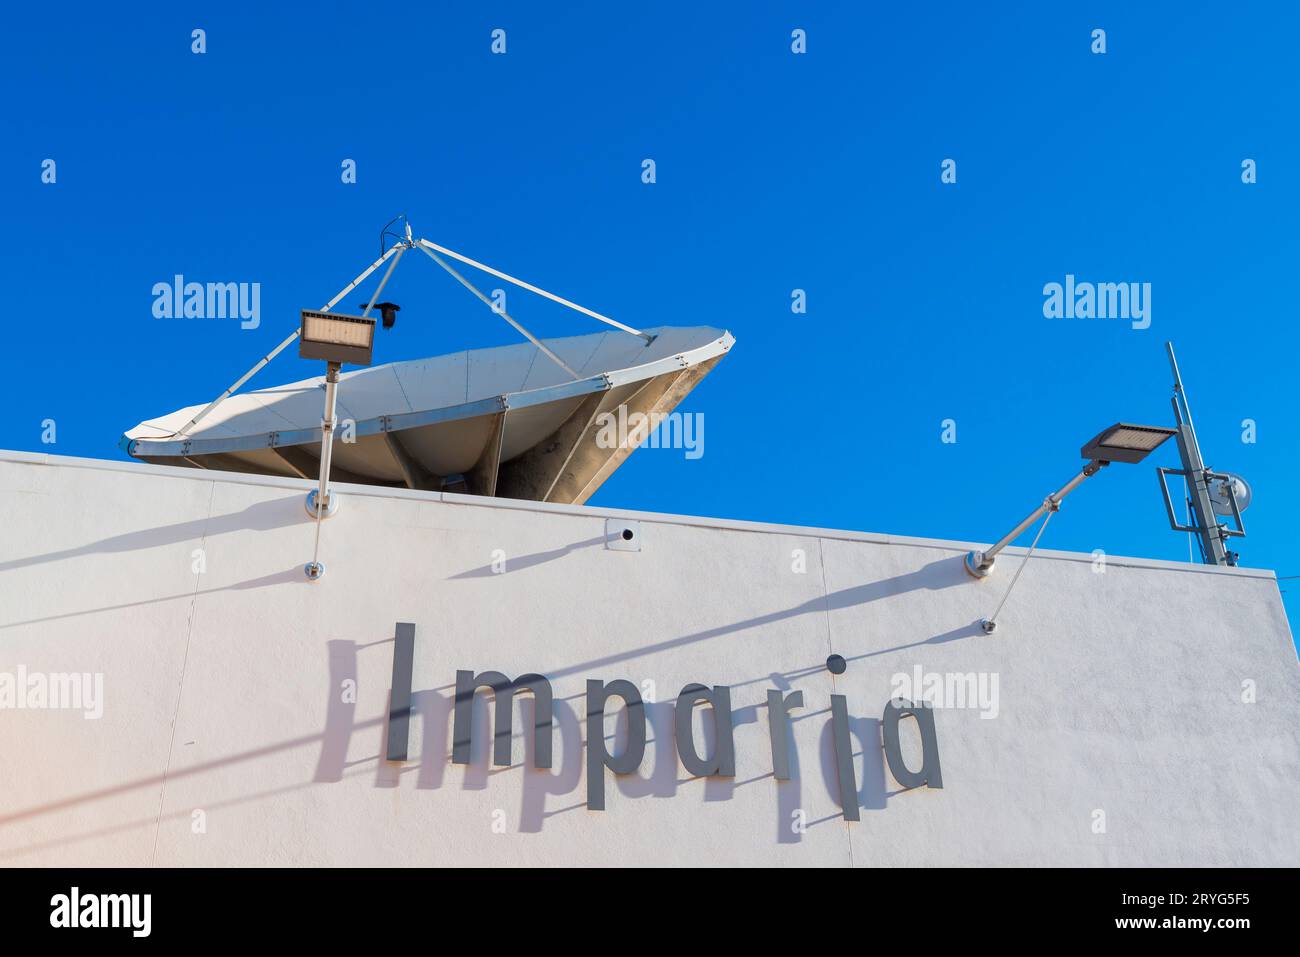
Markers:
point(980, 563)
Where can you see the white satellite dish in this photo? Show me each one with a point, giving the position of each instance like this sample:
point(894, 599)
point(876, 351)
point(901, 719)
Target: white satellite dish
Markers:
point(503, 421)
point(1222, 491)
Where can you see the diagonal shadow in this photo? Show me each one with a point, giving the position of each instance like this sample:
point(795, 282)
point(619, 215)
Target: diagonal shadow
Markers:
point(938, 575)
point(260, 517)
point(528, 561)
point(781, 679)
point(279, 578)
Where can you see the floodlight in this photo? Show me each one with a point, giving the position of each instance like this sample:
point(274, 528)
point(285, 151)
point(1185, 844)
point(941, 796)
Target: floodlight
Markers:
point(336, 339)
point(1123, 442)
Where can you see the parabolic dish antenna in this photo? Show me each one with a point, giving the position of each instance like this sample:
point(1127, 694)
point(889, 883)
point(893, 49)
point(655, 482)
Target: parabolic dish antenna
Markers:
point(504, 421)
point(1222, 490)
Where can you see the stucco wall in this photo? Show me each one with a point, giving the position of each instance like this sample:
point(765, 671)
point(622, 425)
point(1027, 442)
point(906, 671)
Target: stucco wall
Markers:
point(226, 691)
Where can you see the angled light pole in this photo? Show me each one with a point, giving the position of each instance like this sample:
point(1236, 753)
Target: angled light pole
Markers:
point(336, 339)
point(1121, 442)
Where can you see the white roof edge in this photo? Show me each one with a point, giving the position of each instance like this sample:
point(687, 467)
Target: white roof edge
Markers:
point(478, 501)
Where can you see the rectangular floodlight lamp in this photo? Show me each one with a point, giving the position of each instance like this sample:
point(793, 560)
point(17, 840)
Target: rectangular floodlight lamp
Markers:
point(336, 338)
point(1123, 442)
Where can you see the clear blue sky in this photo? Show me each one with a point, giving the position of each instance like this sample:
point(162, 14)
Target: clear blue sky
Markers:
point(775, 171)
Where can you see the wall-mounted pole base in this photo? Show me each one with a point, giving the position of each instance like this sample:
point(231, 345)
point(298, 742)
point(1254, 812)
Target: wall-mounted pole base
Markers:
point(313, 571)
point(977, 565)
point(989, 625)
point(331, 505)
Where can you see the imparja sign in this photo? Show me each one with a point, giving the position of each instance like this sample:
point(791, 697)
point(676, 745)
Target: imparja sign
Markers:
point(721, 763)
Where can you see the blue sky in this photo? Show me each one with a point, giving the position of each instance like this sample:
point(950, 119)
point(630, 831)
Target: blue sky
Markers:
point(775, 171)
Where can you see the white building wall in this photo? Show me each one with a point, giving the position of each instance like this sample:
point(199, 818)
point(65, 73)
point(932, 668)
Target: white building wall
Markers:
point(1119, 692)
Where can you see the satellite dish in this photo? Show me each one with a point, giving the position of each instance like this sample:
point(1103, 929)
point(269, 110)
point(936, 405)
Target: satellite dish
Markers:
point(505, 421)
point(1222, 490)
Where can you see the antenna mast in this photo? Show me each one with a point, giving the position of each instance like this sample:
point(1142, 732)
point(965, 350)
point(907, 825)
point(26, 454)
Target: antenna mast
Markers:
point(1212, 534)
